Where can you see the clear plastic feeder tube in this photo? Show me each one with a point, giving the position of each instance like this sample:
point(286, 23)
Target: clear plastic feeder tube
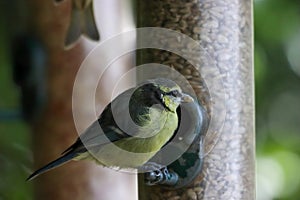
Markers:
point(219, 68)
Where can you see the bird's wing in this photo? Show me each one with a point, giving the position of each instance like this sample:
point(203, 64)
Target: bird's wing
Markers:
point(107, 128)
point(74, 30)
point(89, 26)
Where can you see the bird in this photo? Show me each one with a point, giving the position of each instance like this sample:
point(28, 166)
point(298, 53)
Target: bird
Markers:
point(131, 129)
point(82, 22)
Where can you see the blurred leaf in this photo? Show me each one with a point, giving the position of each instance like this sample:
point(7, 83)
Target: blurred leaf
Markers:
point(284, 118)
point(260, 62)
point(290, 163)
point(275, 20)
point(14, 136)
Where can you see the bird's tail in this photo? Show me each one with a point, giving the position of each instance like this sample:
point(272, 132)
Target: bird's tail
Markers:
point(82, 22)
point(61, 160)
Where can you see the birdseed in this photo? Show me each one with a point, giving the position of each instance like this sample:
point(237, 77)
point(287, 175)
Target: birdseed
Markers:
point(224, 30)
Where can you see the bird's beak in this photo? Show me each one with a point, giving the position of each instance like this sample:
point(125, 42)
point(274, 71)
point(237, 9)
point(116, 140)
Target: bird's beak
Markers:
point(185, 98)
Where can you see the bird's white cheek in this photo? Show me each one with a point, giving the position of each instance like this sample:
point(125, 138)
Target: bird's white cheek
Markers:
point(178, 100)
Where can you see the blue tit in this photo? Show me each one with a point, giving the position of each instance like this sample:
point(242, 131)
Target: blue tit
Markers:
point(131, 129)
point(82, 22)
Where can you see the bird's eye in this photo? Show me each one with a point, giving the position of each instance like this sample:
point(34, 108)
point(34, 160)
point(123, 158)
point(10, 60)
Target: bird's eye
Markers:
point(174, 93)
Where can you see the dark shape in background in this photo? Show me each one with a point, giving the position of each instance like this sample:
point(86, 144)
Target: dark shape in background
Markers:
point(29, 73)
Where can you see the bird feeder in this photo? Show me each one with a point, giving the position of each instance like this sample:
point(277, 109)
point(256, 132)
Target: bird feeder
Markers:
point(209, 43)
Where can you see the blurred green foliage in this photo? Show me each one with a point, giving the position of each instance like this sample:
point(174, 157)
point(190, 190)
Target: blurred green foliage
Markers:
point(14, 133)
point(277, 80)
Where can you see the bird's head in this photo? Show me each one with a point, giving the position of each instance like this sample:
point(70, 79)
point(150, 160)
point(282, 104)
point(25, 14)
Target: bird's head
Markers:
point(163, 92)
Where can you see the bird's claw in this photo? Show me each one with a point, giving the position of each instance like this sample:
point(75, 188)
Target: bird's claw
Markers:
point(161, 177)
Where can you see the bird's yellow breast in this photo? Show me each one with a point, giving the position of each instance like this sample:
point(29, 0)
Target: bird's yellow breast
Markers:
point(135, 151)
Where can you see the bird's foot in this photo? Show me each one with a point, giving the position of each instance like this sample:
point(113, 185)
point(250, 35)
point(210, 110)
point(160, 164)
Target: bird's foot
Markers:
point(159, 175)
